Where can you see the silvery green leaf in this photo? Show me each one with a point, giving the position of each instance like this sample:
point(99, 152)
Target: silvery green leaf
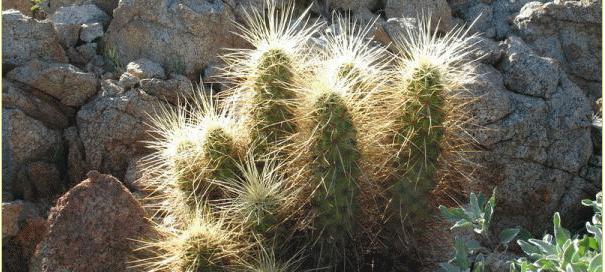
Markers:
point(507, 235)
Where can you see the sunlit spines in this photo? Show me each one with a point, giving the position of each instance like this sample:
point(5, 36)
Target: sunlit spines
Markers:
point(266, 76)
point(328, 153)
point(194, 145)
point(208, 243)
point(430, 124)
point(351, 54)
point(260, 198)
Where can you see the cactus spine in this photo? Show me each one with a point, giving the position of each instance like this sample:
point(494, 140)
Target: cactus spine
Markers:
point(270, 71)
point(430, 74)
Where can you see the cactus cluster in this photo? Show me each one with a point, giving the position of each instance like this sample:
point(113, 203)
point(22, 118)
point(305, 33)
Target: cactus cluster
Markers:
point(314, 151)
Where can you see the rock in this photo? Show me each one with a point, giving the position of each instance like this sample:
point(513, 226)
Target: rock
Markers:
point(534, 145)
point(96, 218)
point(23, 228)
point(33, 154)
point(527, 73)
point(593, 171)
point(135, 174)
point(596, 132)
point(44, 177)
point(76, 159)
point(14, 215)
point(10, 218)
point(90, 32)
point(485, 50)
point(106, 5)
point(110, 87)
point(144, 68)
point(438, 10)
point(482, 16)
point(113, 128)
point(17, 251)
point(177, 88)
point(569, 32)
point(175, 34)
point(63, 81)
point(353, 4)
point(27, 39)
point(127, 81)
point(68, 20)
point(497, 15)
point(74, 56)
point(87, 51)
point(24, 6)
point(34, 103)
point(396, 29)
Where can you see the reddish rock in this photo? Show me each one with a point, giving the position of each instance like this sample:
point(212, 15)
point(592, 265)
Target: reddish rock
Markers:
point(18, 250)
point(90, 228)
point(22, 229)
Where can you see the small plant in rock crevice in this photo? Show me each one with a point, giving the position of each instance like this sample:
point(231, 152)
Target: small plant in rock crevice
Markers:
point(561, 252)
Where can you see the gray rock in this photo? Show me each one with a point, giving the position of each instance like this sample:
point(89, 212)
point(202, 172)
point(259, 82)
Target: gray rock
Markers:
point(145, 68)
point(437, 9)
point(74, 56)
point(87, 51)
point(25, 39)
point(113, 128)
point(90, 32)
point(32, 153)
point(527, 73)
point(34, 103)
point(485, 50)
point(177, 88)
point(68, 20)
point(76, 159)
point(534, 146)
point(62, 81)
point(175, 34)
point(106, 5)
point(395, 28)
point(127, 81)
point(110, 87)
point(482, 15)
point(353, 4)
point(569, 32)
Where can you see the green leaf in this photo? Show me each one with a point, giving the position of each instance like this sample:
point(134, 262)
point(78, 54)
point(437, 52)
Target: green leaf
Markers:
point(462, 224)
point(448, 267)
point(461, 254)
point(596, 264)
point(568, 252)
point(474, 205)
point(528, 248)
point(561, 234)
point(546, 247)
point(479, 265)
point(473, 245)
point(507, 235)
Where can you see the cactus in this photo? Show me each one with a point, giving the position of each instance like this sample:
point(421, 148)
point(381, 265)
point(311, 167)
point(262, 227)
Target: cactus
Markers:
point(331, 158)
point(429, 74)
point(350, 54)
point(270, 71)
point(206, 244)
point(260, 199)
point(195, 145)
point(308, 149)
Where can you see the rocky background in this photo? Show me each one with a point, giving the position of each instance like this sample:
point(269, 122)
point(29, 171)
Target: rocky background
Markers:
point(81, 77)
